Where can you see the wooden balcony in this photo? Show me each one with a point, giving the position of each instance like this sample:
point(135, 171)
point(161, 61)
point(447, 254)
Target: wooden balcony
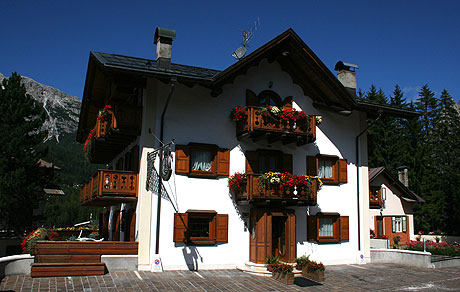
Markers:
point(254, 195)
point(110, 187)
point(375, 198)
point(113, 133)
point(262, 125)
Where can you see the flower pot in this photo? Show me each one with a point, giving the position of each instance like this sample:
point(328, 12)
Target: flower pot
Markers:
point(317, 276)
point(285, 278)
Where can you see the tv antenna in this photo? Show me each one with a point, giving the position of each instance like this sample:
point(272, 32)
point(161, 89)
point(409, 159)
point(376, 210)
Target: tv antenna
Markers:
point(247, 36)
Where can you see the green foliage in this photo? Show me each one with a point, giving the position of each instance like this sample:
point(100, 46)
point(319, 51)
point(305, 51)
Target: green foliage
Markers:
point(272, 260)
point(21, 179)
point(428, 145)
point(302, 262)
point(64, 211)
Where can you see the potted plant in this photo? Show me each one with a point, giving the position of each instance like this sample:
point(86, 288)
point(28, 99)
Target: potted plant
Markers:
point(271, 261)
point(314, 271)
point(302, 262)
point(283, 273)
point(396, 240)
point(237, 183)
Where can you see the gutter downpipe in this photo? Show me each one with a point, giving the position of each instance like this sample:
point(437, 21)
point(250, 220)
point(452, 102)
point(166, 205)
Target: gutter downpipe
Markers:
point(172, 83)
point(357, 175)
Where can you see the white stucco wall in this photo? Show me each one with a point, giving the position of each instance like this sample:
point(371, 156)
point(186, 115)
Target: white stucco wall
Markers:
point(194, 116)
point(394, 206)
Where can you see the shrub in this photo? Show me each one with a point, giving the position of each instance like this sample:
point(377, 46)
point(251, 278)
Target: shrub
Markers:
point(38, 234)
point(436, 248)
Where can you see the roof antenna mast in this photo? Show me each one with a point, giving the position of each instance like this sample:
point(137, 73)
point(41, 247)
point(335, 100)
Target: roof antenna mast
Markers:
point(247, 36)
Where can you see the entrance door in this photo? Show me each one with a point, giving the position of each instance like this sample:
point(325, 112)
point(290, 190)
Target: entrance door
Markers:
point(379, 226)
point(272, 233)
point(279, 238)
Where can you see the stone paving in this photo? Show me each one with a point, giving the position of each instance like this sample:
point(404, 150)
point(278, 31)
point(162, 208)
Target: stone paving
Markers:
point(371, 277)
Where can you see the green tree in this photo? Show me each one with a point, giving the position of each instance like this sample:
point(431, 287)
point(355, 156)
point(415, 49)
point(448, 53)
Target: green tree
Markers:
point(21, 179)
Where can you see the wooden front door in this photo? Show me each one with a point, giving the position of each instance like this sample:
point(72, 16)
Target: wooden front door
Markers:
point(272, 234)
point(279, 238)
point(379, 232)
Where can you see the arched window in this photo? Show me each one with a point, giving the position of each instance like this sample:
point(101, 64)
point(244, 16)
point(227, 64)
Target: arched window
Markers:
point(268, 97)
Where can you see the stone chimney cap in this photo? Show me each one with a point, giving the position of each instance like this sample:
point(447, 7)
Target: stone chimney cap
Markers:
point(401, 167)
point(345, 66)
point(163, 33)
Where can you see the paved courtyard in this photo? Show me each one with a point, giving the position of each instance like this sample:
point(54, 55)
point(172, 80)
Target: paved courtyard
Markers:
point(371, 277)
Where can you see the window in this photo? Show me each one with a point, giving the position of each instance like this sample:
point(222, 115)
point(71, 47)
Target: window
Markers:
point(202, 160)
point(399, 224)
point(330, 169)
point(262, 161)
point(327, 228)
point(198, 227)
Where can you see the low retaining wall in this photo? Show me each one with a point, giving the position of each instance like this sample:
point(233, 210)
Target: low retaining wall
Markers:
point(16, 265)
point(402, 257)
point(120, 262)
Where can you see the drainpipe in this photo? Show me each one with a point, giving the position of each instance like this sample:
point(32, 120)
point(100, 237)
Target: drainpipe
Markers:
point(357, 175)
point(172, 84)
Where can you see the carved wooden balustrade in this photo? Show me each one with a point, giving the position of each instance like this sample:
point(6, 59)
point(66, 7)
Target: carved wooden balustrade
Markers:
point(261, 124)
point(375, 198)
point(114, 131)
point(109, 187)
point(253, 193)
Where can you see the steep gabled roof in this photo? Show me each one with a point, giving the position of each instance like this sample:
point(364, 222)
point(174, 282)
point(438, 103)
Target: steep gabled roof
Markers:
point(288, 49)
point(406, 193)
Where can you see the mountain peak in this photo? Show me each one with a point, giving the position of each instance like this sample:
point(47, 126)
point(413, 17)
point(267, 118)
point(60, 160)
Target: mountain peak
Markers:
point(62, 110)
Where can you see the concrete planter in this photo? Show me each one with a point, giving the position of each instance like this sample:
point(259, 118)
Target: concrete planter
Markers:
point(317, 276)
point(285, 278)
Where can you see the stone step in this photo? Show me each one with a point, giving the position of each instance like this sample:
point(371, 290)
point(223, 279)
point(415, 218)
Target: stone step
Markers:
point(259, 269)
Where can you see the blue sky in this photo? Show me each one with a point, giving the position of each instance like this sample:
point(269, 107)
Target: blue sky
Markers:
point(409, 43)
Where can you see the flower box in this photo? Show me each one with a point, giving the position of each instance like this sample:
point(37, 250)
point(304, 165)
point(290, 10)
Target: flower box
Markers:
point(317, 276)
point(285, 278)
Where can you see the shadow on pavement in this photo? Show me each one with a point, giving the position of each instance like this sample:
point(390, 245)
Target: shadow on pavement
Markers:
point(304, 282)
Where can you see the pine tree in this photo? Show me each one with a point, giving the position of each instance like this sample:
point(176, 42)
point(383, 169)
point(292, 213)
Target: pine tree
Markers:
point(446, 130)
point(21, 179)
point(431, 215)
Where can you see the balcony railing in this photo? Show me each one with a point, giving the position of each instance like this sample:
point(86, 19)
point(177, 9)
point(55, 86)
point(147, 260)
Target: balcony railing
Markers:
point(113, 131)
point(375, 199)
point(261, 124)
point(109, 187)
point(252, 192)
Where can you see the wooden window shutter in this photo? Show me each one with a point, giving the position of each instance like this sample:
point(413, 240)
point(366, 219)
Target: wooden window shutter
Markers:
point(222, 228)
point(312, 166)
point(312, 228)
point(223, 162)
point(251, 98)
point(180, 227)
point(287, 163)
point(393, 223)
point(252, 162)
point(292, 237)
point(182, 159)
point(135, 159)
point(404, 224)
point(344, 228)
point(343, 171)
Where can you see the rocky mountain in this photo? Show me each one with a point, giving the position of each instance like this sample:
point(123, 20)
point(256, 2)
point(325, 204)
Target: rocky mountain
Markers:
point(63, 110)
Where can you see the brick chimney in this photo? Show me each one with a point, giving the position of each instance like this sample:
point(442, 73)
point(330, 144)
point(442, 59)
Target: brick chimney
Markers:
point(163, 39)
point(347, 75)
point(403, 175)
